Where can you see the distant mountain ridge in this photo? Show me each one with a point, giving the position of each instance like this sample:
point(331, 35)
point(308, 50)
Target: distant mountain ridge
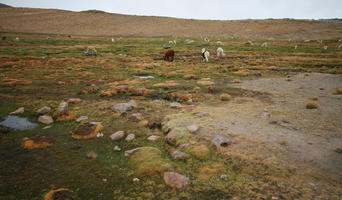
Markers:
point(95, 22)
point(4, 6)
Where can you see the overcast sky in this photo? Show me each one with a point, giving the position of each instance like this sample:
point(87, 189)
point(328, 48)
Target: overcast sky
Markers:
point(200, 9)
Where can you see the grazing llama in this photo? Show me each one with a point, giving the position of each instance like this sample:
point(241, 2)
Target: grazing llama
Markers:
point(169, 55)
point(205, 55)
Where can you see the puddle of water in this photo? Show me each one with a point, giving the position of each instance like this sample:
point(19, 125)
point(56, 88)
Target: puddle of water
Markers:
point(18, 123)
point(144, 77)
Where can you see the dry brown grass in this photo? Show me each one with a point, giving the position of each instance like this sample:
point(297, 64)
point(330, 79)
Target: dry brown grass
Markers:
point(91, 23)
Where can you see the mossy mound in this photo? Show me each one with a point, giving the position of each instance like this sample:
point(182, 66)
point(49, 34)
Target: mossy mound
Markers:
point(37, 143)
point(148, 161)
point(86, 131)
point(178, 136)
point(209, 171)
point(312, 105)
point(200, 151)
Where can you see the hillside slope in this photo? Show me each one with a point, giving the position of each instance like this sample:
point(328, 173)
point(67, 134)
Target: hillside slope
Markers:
point(101, 23)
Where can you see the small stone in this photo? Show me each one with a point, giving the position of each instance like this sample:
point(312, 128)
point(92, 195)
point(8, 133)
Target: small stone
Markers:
point(265, 115)
point(18, 111)
point(225, 97)
point(175, 105)
point(153, 138)
point(136, 117)
point(74, 100)
point(44, 110)
point(129, 152)
point(178, 155)
point(224, 177)
point(136, 180)
point(62, 108)
point(175, 180)
point(183, 146)
point(130, 137)
point(117, 148)
point(91, 155)
point(338, 150)
point(100, 134)
point(46, 127)
point(95, 123)
point(45, 119)
point(117, 135)
point(193, 128)
point(157, 101)
point(133, 103)
point(82, 118)
point(122, 107)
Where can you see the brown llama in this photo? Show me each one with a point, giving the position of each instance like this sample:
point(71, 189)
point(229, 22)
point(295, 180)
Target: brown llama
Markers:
point(169, 55)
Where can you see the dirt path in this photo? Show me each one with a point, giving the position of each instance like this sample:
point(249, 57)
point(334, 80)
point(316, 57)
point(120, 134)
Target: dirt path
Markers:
point(304, 138)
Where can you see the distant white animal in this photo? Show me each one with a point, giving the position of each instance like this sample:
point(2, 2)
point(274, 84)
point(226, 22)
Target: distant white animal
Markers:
point(340, 46)
point(113, 40)
point(17, 39)
point(339, 40)
point(296, 46)
point(325, 47)
point(118, 39)
point(173, 42)
point(188, 41)
point(220, 52)
point(250, 43)
point(206, 39)
point(264, 45)
point(320, 41)
point(219, 43)
point(205, 55)
point(306, 40)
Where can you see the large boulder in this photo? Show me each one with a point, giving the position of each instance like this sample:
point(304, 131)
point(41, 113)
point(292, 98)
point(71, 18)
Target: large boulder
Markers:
point(176, 181)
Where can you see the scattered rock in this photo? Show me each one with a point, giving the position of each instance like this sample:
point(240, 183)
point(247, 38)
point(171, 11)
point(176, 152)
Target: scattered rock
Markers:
point(153, 138)
point(155, 122)
point(45, 119)
point(130, 137)
point(136, 117)
point(265, 115)
point(179, 155)
point(311, 105)
point(86, 131)
point(136, 180)
point(225, 97)
point(337, 91)
point(119, 135)
point(148, 161)
point(82, 118)
point(193, 128)
point(46, 127)
point(18, 111)
point(129, 152)
point(284, 123)
point(117, 148)
point(91, 155)
point(221, 141)
point(62, 108)
point(44, 110)
point(123, 107)
point(38, 143)
point(183, 146)
point(338, 150)
point(200, 151)
point(175, 180)
point(74, 100)
point(224, 177)
point(175, 105)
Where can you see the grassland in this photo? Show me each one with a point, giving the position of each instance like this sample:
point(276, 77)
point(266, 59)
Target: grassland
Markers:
point(42, 69)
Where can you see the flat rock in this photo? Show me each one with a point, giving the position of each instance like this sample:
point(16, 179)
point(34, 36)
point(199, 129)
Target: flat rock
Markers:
point(117, 148)
point(45, 119)
point(62, 108)
point(119, 135)
point(18, 111)
point(136, 117)
point(193, 128)
point(82, 118)
point(130, 137)
point(178, 155)
point(175, 105)
point(153, 138)
point(74, 100)
point(284, 123)
point(44, 110)
point(176, 180)
point(129, 152)
point(221, 140)
point(123, 107)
